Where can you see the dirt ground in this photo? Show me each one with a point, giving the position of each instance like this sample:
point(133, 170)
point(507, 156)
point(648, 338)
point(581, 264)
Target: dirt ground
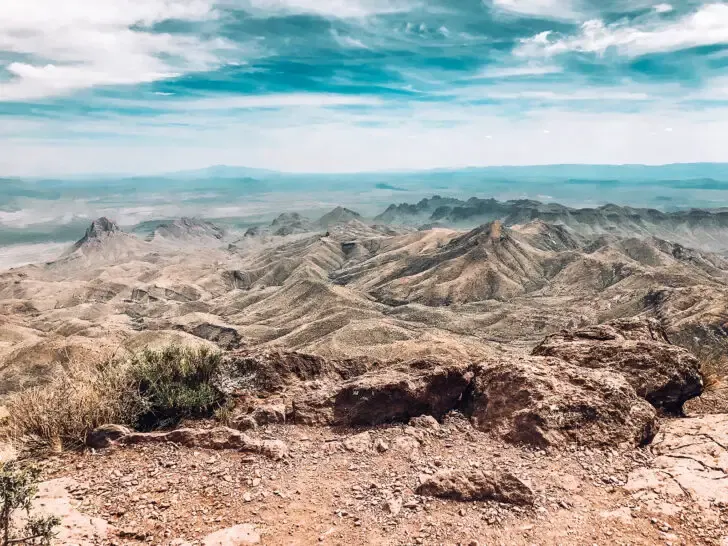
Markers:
point(352, 487)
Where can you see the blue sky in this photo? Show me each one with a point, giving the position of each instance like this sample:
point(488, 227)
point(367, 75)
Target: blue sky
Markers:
point(120, 86)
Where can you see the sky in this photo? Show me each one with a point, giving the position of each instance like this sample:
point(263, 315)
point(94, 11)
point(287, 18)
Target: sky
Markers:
point(149, 86)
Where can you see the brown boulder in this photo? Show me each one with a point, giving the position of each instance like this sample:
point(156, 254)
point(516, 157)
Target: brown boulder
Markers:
point(477, 485)
point(265, 414)
point(663, 374)
point(105, 436)
point(389, 395)
point(547, 402)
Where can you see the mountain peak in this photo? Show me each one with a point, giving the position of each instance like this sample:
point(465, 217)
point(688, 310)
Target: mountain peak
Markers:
point(100, 226)
point(186, 228)
point(340, 215)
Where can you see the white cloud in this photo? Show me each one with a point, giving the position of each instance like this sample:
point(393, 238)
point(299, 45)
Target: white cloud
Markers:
point(326, 8)
point(76, 44)
point(348, 41)
point(707, 26)
point(551, 9)
point(555, 94)
point(278, 100)
point(516, 71)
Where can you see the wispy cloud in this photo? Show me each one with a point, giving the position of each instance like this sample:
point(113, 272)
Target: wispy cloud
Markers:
point(78, 44)
point(556, 9)
point(519, 71)
point(662, 8)
point(327, 8)
point(706, 26)
point(276, 101)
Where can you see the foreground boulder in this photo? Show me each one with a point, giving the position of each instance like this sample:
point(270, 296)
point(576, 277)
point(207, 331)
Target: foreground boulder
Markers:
point(477, 485)
point(547, 402)
point(105, 435)
point(526, 400)
point(663, 374)
point(427, 387)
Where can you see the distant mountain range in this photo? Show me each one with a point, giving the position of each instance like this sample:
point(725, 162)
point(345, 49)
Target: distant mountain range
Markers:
point(678, 171)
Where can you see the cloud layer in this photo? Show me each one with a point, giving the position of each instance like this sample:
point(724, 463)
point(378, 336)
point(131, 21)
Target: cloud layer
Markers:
point(357, 84)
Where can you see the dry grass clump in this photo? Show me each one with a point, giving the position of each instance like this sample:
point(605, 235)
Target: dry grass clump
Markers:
point(152, 389)
point(60, 413)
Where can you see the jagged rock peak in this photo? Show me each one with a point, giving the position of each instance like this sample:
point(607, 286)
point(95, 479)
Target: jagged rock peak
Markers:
point(339, 215)
point(287, 218)
point(100, 226)
point(99, 234)
point(186, 228)
point(490, 232)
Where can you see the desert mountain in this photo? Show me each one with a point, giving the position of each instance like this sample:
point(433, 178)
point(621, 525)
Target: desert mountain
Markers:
point(290, 223)
point(103, 242)
point(696, 228)
point(358, 289)
point(188, 231)
point(339, 215)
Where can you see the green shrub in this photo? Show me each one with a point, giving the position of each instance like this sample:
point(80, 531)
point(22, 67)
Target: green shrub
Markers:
point(173, 384)
point(18, 487)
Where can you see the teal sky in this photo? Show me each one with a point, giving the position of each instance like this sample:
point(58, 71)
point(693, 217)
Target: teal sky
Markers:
point(144, 86)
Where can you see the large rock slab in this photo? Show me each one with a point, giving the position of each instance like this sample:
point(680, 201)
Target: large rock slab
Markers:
point(76, 528)
point(547, 402)
point(691, 461)
point(477, 485)
point(216, 438)
point(665, 375)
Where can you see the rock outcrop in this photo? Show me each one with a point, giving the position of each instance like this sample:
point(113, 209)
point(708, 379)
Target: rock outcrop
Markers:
point(390, 395)
point(339, 215)
point(665, 375)
point(103, 242)
point(526, 400)
point(547, 402)
point(477, 485)
point(188, 230)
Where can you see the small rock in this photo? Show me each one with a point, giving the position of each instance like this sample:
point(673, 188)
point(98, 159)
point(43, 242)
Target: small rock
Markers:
point(358, 443)
point(425, 421)
point(475, 485)
point(393, 506)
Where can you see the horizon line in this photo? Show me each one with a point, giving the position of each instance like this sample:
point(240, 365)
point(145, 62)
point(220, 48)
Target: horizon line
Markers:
point(267, 171)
